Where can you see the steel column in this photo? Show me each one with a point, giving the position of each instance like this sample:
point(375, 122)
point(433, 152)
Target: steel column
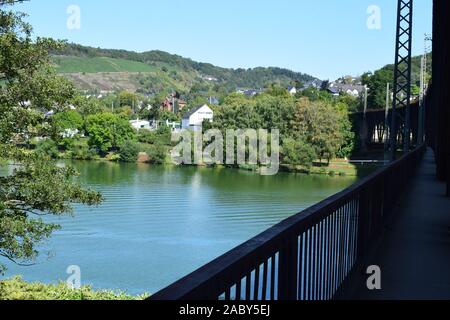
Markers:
point(402, 76)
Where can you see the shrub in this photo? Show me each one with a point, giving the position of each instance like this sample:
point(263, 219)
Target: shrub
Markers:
point(18, 289)
point(163, 135)
point(48, 148)
point(129, 151)
point(82, 152)
point(146, 136)
point(114, 157)
point(157, 153)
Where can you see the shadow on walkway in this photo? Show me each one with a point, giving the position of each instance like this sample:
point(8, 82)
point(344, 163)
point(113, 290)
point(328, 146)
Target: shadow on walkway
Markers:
point(414, 250)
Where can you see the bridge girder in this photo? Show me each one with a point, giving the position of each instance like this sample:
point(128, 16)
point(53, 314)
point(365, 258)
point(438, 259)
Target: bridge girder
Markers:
point(402, 78)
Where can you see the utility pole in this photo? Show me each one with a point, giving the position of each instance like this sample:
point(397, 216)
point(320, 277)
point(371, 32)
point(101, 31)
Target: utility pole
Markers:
point(366, 90)
point(423, 89)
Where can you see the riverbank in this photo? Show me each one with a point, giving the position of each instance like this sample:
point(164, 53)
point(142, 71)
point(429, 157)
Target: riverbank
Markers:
point(337, 167)
point(159, 154)
point(334, 168)
point(18, 289)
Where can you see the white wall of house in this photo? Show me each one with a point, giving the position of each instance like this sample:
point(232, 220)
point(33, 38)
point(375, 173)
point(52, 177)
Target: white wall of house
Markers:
point(140, 124)
point(194, 122)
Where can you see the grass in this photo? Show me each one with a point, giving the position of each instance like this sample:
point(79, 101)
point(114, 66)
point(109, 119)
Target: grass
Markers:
point(99, 64)
point(335, 167)
point(18, 289)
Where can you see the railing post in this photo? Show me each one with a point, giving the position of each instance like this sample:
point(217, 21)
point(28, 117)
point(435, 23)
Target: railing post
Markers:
point(287, 270)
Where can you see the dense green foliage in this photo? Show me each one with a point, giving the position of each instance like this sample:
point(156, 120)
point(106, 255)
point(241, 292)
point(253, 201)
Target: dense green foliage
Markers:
point(157, 153)
point(310, 129)
point(107, 131)
point(378, 80)
point(29, 88)
point(48, 148)
point(18, 289)
point(77, 58)
point(129, 151)
point(68, 120)
point(298, 152)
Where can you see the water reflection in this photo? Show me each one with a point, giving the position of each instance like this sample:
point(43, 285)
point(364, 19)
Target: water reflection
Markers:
point(158, 224)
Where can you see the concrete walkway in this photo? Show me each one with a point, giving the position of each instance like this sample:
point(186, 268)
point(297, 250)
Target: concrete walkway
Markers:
point(414, 250)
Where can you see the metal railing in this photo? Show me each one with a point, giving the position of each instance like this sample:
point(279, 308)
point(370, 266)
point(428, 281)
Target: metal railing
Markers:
point(307, 256)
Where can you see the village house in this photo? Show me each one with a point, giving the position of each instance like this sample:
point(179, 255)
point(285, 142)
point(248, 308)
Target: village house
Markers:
point(140, 124)
point(350, 89)
point(173, 103)
point(292, 90)
point(315, 84)
point(193, 119)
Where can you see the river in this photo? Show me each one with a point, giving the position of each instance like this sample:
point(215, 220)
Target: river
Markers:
point(158, 224)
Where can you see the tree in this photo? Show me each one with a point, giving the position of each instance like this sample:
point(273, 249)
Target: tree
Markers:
point(68, 120)
point(298, 152)
point(129, 151)
point(377, 84)
point(48, 148)
point(37, 186)
point(128, 99)
point(88, 106)
point(63, 121)
point(348, 136)
point(320, 125)
point(277, 91)
point(314, 94)
point(108, 131)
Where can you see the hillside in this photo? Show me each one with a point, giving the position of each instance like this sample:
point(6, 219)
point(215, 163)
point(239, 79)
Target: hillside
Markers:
point(153, 71)
point(99, 64)
point(415, 68)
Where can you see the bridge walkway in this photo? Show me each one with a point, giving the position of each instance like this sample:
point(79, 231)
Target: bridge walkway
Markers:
point(413, 251)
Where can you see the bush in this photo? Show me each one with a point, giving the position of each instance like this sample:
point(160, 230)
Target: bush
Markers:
point(18, 289)
point(157, 153)
point(82, 152)
point(129, 151)
point(163, 135)
point(48, 148)
point(113, 157)
point(146, 136)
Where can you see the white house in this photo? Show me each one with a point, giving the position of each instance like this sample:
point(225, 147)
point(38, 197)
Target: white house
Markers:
point(140, 124)
point(292, 90)
point(193, 119)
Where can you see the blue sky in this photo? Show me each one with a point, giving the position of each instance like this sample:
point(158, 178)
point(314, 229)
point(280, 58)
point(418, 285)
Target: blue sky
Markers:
point(325, 38)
